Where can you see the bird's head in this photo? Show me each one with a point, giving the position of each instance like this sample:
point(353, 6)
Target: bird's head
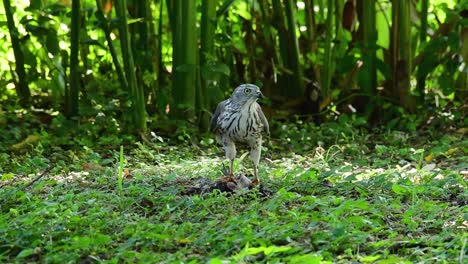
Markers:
point(246, 93)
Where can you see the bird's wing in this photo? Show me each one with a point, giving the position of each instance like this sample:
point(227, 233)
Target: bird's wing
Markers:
point(263, 120)
point(214, 119)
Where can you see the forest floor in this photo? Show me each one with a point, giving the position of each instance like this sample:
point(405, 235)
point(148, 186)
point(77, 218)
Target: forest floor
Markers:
point(334, 193)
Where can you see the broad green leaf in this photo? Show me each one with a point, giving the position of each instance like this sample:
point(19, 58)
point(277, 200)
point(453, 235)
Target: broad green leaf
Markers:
point(243, 11)
point(215, 261)
point(399, 189)
point(371, 259)
point(101, 239)
point(381, 149)
point(25, 253)
point(82, 242)
point(382, 23)
point(308, 258)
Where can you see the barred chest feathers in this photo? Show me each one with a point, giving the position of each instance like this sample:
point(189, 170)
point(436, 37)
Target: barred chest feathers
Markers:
point(242, 124)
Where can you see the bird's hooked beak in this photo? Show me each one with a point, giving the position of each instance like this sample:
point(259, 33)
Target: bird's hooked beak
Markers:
point(260, 95)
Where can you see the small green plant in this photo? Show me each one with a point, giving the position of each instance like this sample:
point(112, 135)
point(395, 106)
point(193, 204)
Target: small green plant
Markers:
point(120, 172)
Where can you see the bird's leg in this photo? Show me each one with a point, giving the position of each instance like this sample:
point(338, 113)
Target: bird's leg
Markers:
point(256, 179)
point(255, 151)
point(230, 149)
point(231, 168)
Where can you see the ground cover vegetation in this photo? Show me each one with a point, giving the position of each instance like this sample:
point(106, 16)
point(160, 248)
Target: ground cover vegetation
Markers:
point(105, 154)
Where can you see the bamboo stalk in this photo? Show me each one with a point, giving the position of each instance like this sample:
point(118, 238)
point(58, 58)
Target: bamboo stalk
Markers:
point(294, 48)
point(291, 84)
point(158, 54)
point(339, 5)
point(394, 46)
point(208, 27)
point(104, 23)
point(310, 23)
point(170, 13)
point(22, 88)
point(461, 90)
point(270, 49)
point(184, 58)
point(405, 55)
point(143, 37)
point(247, 27)
point(154, 46)
point(328, 67)
point(424, 13)
point(135, 91)
point(370, 39)
point(321, 6)
point(367, 76)
point(73, 96)
point(421, 77)
point(401, 53)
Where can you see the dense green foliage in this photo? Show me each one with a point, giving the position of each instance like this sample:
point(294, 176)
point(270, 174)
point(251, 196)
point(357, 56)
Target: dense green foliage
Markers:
point(104, 107)
point(382, 59)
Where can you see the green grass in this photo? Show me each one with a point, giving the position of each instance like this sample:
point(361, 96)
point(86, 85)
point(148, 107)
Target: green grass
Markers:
point(367, 198)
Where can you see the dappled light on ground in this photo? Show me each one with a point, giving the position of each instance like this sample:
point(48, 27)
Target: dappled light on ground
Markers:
point(348, 201)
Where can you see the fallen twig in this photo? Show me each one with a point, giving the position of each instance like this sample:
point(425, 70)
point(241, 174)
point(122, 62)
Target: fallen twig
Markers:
point(39, 176)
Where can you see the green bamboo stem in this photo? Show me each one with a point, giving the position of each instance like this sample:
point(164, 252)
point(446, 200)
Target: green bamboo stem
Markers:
point(22, 88)
point(283, 58)
point(294, 48)
point(328, 65)
point(370, 39)
point(110, 44)
point(461, 90)
point(321, 6)
point(135, 91)
point(421, 77)
point(154, 45)
point(184, 58)
point(424, 13)
point(171, 15)
point(339, 5)
point(292, 84)
point(208, 27)
point(310, 23)
point(158, 54)
point(405, 63)
point(247, 27)
point(401, 53)
point(73, 95)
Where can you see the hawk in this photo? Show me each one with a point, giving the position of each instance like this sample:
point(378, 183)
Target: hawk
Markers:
point(240, 119)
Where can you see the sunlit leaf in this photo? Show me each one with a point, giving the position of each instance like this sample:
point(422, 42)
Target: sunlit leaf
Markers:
point(27, 142)
point(308, 258)
point(25, 253)
point(429, 157)
point(399, 189)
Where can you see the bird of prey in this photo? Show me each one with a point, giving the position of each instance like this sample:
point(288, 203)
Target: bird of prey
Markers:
point(240, 119)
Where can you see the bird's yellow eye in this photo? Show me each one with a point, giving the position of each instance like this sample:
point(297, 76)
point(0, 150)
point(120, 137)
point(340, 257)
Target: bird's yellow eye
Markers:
point(247, 90)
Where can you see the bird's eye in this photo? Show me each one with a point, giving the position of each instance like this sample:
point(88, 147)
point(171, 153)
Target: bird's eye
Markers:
point(247, 90)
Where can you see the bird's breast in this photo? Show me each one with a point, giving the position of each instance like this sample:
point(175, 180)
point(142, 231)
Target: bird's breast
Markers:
point(242, 125)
